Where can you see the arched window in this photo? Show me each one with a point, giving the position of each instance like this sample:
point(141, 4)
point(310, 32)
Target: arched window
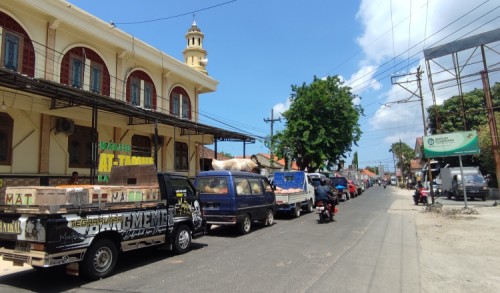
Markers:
point(141, 146)
point(180, 103)
point(6, 131)
point(74, 71)
point(16, 52)
point(141, 90)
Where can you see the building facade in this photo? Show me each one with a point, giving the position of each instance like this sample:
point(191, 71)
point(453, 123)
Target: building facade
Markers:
point(78, 94)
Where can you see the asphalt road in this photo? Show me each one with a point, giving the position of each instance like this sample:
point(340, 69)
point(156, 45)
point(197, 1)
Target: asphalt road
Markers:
point(370, 248)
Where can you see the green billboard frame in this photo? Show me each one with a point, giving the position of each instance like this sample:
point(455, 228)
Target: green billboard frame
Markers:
point(451, 144)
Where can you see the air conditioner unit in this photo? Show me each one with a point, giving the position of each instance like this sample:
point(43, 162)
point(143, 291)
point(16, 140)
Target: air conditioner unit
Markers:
point(65, 126)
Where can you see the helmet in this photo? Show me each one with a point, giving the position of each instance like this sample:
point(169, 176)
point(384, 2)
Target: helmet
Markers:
point(322, 181)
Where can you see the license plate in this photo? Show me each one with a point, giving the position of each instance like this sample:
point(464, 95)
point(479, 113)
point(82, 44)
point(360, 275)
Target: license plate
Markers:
point(22, 246)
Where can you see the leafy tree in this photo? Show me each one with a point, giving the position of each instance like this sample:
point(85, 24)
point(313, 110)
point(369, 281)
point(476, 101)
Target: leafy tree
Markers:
point(486, 151)
point(404, 154)
point(448, 118)
point(321, 124)
point(355, 161)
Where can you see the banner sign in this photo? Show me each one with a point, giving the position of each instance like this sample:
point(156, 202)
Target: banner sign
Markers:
point(451, 144)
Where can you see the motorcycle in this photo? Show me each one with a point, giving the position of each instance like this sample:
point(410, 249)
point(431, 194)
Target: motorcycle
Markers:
point(420, 196)
point(325, 213)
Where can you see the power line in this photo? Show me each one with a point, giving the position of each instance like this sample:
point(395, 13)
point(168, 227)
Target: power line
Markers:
point(387, 62)
point(178, 15)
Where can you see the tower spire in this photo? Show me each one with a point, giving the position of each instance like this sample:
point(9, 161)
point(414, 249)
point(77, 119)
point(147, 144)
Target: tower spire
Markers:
point(194, 54)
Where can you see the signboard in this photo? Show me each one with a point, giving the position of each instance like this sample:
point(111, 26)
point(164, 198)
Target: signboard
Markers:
point(108, 160)
point(451, 144)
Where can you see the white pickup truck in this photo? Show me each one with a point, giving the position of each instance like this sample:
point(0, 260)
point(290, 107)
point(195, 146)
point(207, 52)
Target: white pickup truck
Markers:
point(293, 192)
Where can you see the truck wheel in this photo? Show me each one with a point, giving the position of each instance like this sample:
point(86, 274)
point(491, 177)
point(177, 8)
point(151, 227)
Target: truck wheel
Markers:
point(100, 259)
point(297, 210)
point(182, 240)
point(310, 207)
point(483, 198)
point(245, 225)
point(448, 195)
point(269, 220)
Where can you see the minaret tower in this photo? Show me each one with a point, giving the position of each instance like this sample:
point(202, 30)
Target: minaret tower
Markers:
point(194, 54)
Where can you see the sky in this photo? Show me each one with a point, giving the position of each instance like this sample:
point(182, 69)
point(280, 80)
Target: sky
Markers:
point(258, 49)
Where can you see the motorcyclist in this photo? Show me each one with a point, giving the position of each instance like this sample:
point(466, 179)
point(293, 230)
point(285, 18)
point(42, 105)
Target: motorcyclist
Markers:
point(417, 190)
point(324, 193)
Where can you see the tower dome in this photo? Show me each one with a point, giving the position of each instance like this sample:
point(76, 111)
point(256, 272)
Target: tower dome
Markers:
point(194, 54)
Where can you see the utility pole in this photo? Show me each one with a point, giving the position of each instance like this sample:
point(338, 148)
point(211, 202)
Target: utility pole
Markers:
point(272, 120)
point(421, 99)
point(491, 116)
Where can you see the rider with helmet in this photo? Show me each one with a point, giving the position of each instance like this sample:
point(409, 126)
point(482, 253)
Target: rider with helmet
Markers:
point(324, 193)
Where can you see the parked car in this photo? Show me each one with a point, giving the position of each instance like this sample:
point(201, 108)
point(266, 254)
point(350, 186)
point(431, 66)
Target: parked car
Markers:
point(236, 198)
point(360, 186)
point(352, 188)
point(342, 181)
point(311, 176)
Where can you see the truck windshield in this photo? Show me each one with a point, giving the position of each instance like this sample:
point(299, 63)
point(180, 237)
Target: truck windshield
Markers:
point(472, 179)
point(214, 185)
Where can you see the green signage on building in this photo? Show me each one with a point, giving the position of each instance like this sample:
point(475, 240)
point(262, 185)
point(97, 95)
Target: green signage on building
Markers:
point(451, 144)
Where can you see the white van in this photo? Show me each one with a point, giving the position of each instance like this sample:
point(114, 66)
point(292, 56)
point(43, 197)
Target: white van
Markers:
point(394, 181)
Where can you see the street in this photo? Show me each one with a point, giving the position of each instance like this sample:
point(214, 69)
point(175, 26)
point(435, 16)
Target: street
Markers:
point(372, 247)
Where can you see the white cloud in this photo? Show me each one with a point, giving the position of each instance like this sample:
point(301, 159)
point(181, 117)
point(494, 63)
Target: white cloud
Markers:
point(391, 31)
point(393, 41)
point(278, 109)
point(363, 80)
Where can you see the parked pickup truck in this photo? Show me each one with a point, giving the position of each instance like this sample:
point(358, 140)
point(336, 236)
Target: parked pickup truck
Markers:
point(293, 192)
point(84, 227)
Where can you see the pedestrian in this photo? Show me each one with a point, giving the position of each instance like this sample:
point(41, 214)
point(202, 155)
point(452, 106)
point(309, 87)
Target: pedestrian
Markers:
point(74, 178)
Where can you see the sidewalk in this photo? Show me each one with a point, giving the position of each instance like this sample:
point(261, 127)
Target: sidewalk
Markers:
point(458, 252)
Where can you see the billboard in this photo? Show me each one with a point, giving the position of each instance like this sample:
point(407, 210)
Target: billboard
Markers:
point(451, 144)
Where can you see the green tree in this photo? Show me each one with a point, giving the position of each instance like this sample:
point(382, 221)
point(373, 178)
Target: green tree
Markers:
point(403, 153)
point(321, 124)
point(448, 117)
point(355, 161)
point(486, 157)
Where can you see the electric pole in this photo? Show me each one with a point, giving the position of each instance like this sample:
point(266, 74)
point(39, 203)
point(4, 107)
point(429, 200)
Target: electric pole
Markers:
point(271, 143)
point(421, 99)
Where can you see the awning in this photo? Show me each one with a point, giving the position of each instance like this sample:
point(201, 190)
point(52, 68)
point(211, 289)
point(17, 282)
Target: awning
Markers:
point(64, 96)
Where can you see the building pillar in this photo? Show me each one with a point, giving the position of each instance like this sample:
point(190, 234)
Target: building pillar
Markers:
point(44, 149)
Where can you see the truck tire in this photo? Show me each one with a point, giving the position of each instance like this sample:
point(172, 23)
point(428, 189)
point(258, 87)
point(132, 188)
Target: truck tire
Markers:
point(310, 206)
point(269, 220)
point(483, 198)
point(99, 260)
point(297, 210)
point(182, 240)
point(245, 225)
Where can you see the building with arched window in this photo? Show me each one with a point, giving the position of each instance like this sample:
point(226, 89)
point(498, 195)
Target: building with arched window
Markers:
point(78, 94)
